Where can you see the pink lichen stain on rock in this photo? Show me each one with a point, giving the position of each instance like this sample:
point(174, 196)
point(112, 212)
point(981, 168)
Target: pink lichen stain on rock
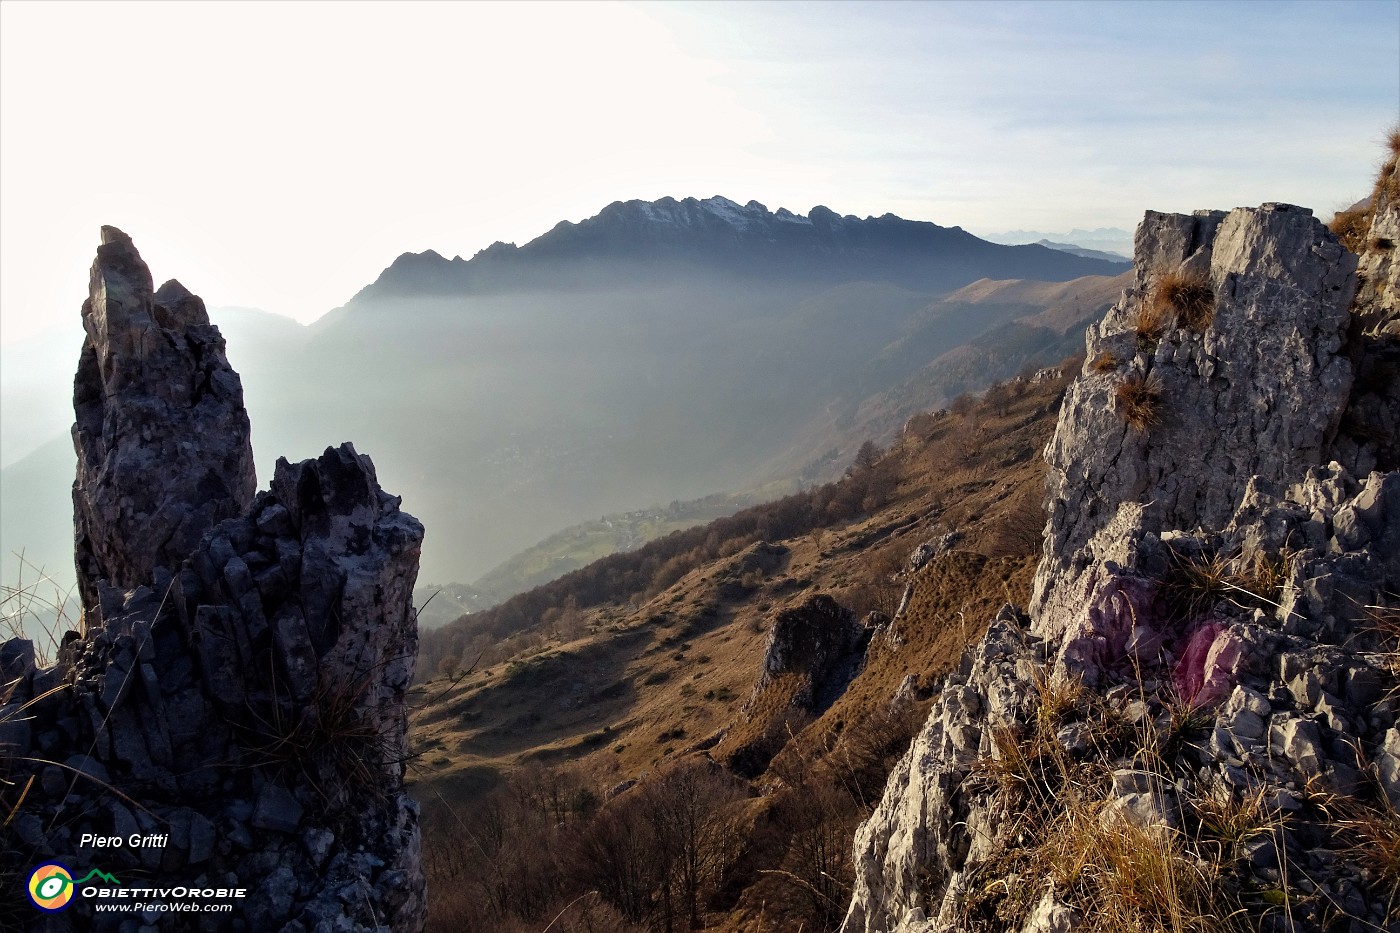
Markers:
point(1205, 675)
point(1189, 675)
point(1220, 674)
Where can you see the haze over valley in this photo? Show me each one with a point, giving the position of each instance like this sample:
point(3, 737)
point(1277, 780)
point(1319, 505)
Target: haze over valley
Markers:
point(659, 351)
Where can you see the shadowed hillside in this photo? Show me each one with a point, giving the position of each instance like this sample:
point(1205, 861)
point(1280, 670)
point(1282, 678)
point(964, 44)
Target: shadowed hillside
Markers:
point(650, 661)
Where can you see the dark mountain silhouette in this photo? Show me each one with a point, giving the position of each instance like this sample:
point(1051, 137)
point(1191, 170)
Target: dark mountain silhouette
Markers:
point(656, 351)
point(631, 241)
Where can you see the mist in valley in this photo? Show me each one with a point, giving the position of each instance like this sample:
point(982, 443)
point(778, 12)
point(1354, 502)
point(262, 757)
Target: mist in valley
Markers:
point(510, 411)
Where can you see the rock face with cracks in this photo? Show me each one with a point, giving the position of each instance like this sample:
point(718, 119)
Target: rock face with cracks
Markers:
point(161, 434)
point(1258, 392)
point(1217, 599)
point(242, 702)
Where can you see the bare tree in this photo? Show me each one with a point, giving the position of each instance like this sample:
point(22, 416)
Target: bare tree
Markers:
point(689, 811)
point(614, 855)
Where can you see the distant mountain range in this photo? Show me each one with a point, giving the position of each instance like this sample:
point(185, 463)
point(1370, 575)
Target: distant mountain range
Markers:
point(1114, 241)
point(1081, 251)
point(649, 241)
point(658, 351)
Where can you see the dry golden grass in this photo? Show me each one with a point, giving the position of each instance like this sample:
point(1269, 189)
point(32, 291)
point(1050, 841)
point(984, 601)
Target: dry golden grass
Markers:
point(1352, 227)
point(1153, 320)
point(1382, 619)
point(1105, 362)
point(1375, 846)
point(1181, 298)
point(1388, 180)
point(1231, 820)
point(1064, 835)
point(1123, 877)
point(1140, 400)
point(1059, 694)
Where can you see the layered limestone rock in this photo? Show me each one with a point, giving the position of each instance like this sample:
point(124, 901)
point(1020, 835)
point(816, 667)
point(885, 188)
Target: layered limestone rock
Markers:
point(242, 709)
point(161, 434)
point(1212, 627)
point(1257, 392)
point(820, 645)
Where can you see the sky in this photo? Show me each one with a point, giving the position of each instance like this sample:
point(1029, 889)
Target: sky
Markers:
point(280, 155)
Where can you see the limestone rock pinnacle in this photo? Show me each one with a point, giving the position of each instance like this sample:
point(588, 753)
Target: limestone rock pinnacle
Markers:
point(161, 434)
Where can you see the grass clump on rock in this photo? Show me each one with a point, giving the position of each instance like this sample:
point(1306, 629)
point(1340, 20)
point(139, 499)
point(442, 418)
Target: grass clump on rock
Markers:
point(1140, 400)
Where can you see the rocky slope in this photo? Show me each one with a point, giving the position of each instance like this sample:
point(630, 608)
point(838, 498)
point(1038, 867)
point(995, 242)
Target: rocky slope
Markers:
point(1196, 722)
point(233, 714)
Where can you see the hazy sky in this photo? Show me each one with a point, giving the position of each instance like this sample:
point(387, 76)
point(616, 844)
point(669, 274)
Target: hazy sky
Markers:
point(279, 155)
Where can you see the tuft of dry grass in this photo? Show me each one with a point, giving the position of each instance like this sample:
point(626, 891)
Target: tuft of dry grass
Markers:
point(1263, 576)
point(37, 609)
point(1152, 322)
point(1231, 820)
point(1352, 227)
point(1122, 876)
point(326, 742)
point(1182, 298)
point(1375, 846)
point(1140, 400)
point(1195, 583)
point(1382, 619)
point(1059, 694)
point(1388, 179)
point(1105, 362)
point(1119, 876)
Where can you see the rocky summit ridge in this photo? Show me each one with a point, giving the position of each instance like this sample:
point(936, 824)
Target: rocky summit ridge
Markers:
point(1195, 720)
point(238, 690)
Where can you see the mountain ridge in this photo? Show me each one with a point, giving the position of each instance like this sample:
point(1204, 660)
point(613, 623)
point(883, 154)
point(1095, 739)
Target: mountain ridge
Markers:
point(718, 233)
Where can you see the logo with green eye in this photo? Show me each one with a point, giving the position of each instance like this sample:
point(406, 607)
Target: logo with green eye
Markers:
point(51, 885)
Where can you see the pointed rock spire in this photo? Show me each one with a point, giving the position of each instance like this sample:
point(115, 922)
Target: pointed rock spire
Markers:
point(154, 388)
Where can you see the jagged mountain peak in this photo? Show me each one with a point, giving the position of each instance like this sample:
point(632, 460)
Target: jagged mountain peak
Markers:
point(692, 212)
point(631, 241)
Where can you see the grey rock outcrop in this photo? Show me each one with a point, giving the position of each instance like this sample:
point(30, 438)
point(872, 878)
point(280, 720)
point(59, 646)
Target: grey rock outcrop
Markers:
point(821, 644)
point(1259, 392)
point(1379, 268)
point(161, 434)
point(815, 648)
point(244, 704)
point(1212, 568)
point(1370, 432)
point(924, 830)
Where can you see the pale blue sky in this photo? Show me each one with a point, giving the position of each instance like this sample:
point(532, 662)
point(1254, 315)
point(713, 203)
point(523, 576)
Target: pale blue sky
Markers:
point(279, 155)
